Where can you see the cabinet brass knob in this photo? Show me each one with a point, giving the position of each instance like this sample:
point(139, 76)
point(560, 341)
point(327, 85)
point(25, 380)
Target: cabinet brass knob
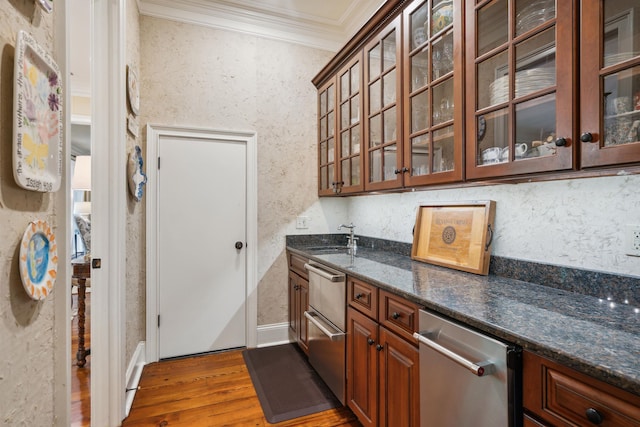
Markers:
point(594, 416)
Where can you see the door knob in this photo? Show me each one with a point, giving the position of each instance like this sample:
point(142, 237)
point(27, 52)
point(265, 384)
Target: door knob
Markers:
point(239, 245)
point(586, 137)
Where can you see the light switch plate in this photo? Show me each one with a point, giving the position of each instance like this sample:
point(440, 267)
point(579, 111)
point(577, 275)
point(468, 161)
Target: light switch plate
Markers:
point(302, 222)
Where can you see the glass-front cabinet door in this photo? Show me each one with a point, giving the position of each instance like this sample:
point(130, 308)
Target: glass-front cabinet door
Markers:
point(520, 86)
point(383, 157)
point(327, 173)
point(433, 85)
point(610, 82)
point(350, 164)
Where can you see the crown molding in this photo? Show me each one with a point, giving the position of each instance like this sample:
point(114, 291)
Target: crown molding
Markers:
point(260, 19)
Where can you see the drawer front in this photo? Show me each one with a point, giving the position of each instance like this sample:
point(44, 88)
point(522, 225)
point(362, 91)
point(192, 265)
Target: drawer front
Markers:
point(565, 397)
point(363, 297)
point(398, 315)
point(296, 263)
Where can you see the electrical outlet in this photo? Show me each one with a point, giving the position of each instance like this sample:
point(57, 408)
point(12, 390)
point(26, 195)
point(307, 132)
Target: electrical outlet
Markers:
point(302, 222)
point(633, 240)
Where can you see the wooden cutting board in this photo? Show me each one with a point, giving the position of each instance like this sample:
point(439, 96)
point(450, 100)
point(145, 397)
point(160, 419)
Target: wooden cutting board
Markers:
point(456, 235)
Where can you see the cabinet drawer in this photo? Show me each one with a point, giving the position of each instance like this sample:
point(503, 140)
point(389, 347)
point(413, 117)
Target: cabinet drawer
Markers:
point(565, 397)
point(296, 263)
point(398, 314)
point(363, 297)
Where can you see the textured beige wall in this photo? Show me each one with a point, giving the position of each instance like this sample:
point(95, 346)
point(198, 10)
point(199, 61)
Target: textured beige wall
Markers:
point(198, 76)
point(26, 326)
point(136, 269)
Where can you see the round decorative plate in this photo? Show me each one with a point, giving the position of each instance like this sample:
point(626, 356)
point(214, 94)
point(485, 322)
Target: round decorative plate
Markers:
point(38, 260)
point(133, 90)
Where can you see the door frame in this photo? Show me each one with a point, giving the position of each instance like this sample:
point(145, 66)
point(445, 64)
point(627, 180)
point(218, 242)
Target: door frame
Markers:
point(154, 133)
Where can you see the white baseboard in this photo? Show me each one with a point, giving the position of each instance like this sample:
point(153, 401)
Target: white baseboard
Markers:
point(134, 371)
point(273, 334)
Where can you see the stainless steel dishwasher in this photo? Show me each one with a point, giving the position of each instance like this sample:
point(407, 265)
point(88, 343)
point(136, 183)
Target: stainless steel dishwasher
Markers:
point(467, 378)
point(327, 322)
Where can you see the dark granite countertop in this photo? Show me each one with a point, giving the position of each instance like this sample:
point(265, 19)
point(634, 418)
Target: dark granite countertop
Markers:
point(590, 334)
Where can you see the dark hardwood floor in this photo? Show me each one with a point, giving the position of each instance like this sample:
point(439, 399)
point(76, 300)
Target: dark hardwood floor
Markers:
point(80, 377)
point(212, 390)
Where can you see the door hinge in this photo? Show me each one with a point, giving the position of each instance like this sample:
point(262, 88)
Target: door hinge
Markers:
point(158, 163)
point(158, 320)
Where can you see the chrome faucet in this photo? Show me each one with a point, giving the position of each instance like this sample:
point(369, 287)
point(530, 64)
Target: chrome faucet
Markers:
point(352, 246)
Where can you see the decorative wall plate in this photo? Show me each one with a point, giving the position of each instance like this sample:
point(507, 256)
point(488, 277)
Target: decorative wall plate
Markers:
point(136, 177)
point(38, 260)
point(37, 123)
point(47, 5)
point(133, 91)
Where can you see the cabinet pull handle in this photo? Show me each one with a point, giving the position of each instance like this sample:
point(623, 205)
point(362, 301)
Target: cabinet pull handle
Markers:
point(586, 137)
point(395, 315)
point(371, 341)
point(594, 416)
point(561, 142)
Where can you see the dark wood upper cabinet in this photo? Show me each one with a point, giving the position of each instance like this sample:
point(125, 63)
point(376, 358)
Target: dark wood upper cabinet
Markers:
point(350, 164)
point(383, 108)
point(610, 83)
point(433, 92)
point(471, 90)
point(327, 174)
point(520, 111)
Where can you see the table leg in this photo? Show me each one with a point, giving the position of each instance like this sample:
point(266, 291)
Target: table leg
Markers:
point(81, 355)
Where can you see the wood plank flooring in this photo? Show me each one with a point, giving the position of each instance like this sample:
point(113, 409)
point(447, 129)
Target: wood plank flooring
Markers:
point(80, 377)
point(210, 390)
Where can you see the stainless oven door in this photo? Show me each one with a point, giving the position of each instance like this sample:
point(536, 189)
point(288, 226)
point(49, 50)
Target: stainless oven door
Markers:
point(327, 346)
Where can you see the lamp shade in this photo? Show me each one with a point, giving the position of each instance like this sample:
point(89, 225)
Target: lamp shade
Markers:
point(82, 174)
point(82, 208)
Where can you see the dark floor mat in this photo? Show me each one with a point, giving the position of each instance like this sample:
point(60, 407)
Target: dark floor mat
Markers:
point(286, 384)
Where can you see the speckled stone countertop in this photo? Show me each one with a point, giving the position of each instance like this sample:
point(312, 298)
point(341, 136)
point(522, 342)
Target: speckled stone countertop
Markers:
point(590, 334)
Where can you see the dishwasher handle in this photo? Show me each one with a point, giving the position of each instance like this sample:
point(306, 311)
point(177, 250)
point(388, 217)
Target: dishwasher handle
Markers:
point(479, 369)
point(329, 275)
point(333, 336)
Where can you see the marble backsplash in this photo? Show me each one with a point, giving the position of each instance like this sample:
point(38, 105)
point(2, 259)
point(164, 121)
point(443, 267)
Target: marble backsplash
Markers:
point(611, 288)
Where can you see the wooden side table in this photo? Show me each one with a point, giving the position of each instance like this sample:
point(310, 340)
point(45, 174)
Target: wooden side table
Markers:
point(81, 272)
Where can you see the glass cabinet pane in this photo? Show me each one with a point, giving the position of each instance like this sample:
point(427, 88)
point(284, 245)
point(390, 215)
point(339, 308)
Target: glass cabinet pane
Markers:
point(355, 78)
point(390, 159)
point(535, 129)
point(443, 56)
point(442, 102)
point(420, 112)
point(622, 107)
point(621, 31)
point(493, 28)
point(345, 115)
point(375, 55)
point(441, 15)
point(443, 150)
point(420, 155)
point(390, 130)
point(530, 14)
point(493, 136)
point(355, 109)
point(345, 87)
point(375, 96)
point(419, 69)
point(355, 140)
point(419, 27)
point(389, 88)
point(389, 51)
point(535, 63)
point(492, 81)
point(375, 130)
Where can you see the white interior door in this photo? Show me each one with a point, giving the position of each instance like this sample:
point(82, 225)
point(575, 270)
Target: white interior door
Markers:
point(201, 216)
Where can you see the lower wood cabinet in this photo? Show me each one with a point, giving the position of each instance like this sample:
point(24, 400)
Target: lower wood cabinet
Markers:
point(298, 304)
point(382, 374)
point(555, 395)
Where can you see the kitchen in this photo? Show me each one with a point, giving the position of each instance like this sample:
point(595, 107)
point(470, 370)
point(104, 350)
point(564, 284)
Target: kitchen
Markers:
point(576, 223)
